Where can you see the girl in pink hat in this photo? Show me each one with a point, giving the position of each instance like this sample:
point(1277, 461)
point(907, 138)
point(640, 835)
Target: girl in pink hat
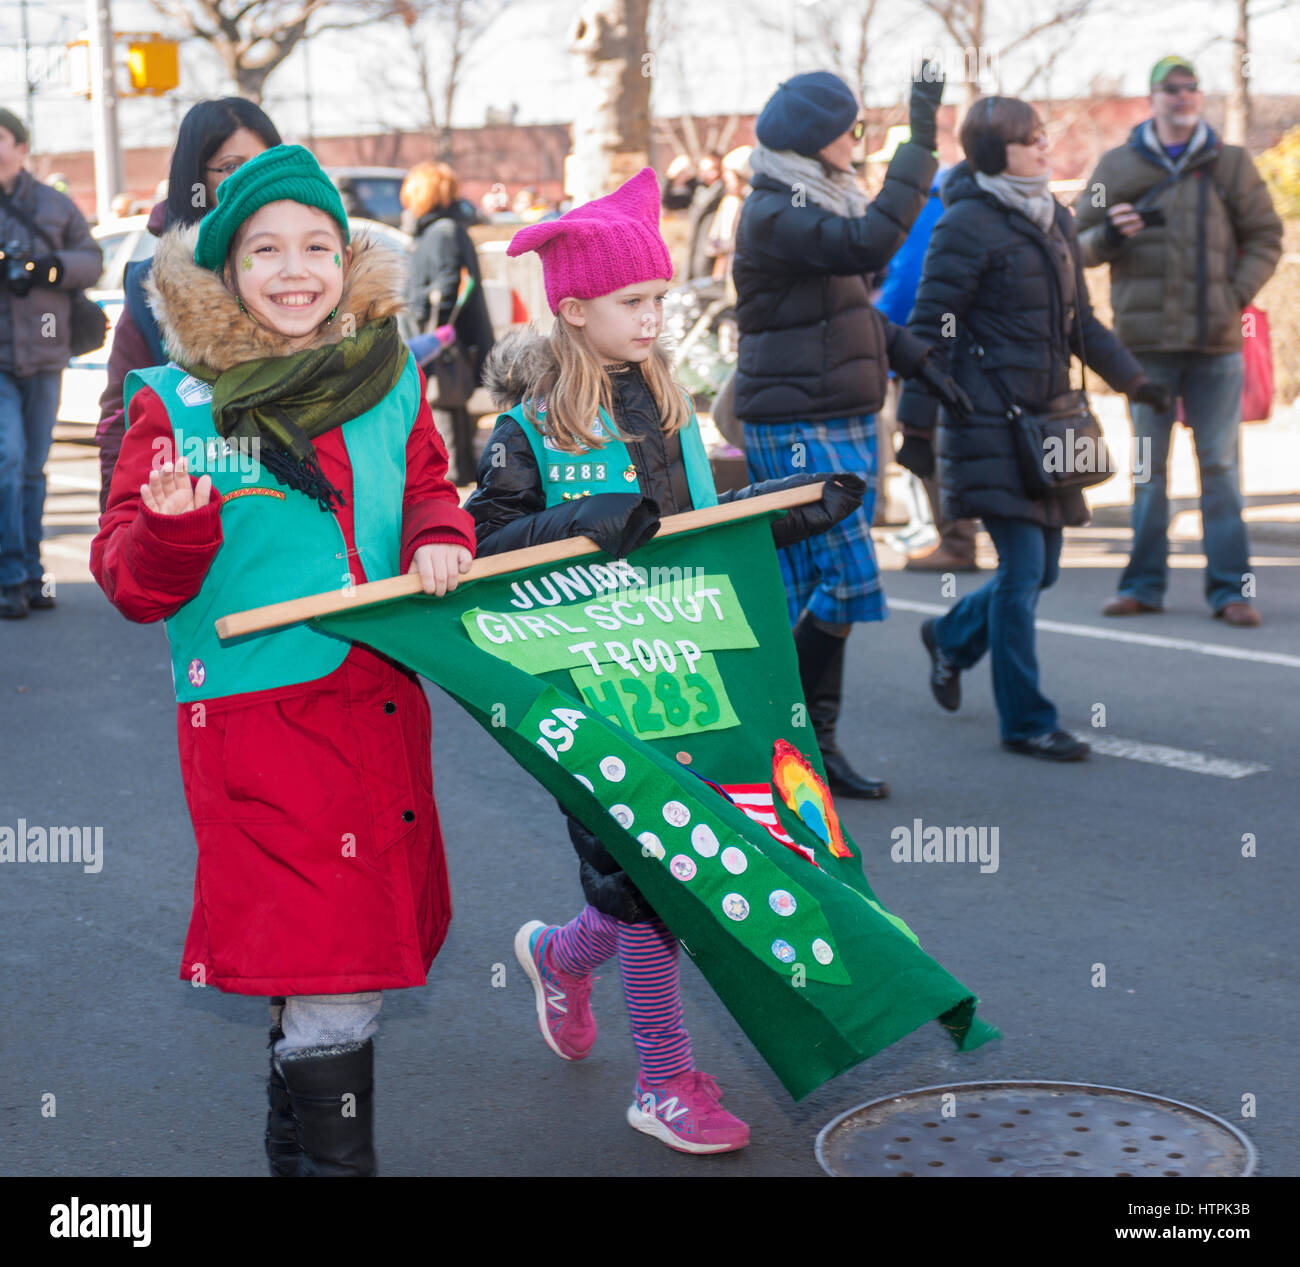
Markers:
point(598, 440)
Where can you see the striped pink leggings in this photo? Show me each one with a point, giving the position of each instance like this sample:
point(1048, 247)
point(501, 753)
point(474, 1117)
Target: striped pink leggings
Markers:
point(647, 959)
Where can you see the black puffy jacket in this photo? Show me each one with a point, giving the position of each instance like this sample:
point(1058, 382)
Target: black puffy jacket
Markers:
point(442, 248)
point(811, 345)
point(992, 279)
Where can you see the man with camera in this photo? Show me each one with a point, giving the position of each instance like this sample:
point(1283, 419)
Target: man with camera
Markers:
point(48, 254)
point(1189, 231)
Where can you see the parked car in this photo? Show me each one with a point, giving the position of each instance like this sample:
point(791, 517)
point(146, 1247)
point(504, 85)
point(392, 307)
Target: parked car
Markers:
point(123, 242)
point(371, 192)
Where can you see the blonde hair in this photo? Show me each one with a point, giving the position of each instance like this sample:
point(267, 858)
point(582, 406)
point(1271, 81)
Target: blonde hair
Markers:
point(427, 186)
point(576, 387)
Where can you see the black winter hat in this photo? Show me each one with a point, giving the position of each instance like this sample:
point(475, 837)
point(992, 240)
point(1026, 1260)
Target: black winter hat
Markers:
point(806, 113)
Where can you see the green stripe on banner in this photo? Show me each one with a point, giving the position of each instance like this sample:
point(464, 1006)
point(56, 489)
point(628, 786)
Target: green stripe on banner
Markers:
point(815, 970)
point(630, 622)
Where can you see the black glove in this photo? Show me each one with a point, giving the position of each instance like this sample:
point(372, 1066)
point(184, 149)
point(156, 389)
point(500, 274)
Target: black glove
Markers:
point(916, 454)
point(840, 498)
point(46, 271)
point(617, 522)
point(927, 88)
point(1159, 397)
point(944, 387)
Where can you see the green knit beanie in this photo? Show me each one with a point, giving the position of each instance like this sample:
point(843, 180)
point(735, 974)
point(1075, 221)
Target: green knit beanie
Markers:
point(284, 172)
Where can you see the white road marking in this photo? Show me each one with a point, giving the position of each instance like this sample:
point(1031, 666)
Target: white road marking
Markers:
point(66, 479)
point(1137, 639)
point(1174, 758)
point(68, 551)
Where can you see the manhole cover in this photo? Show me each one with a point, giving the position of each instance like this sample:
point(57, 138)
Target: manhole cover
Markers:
point(1031, 1128)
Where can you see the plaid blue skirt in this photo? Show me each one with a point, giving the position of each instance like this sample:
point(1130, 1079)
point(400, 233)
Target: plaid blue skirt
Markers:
point(833, 575)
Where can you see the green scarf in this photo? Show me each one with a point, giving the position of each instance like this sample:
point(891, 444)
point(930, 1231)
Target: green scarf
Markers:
point(285, 402)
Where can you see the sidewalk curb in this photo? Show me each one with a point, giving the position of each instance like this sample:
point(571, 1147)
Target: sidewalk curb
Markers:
point(1273, 531)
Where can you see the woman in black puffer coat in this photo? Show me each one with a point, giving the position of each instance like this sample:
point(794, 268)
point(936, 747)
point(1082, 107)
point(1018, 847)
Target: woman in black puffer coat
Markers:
point(1003, 302)
point(815, 355)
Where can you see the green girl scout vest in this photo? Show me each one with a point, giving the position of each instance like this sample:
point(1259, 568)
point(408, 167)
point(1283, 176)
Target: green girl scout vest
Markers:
point(277, 543)
point(566, 475)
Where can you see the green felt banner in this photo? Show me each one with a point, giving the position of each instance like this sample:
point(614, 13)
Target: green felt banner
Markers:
point(632, 739)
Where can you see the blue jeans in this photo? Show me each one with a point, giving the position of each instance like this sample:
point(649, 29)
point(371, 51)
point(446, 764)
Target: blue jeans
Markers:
point(28, 407)
point(999, 617)
point(1210, 387)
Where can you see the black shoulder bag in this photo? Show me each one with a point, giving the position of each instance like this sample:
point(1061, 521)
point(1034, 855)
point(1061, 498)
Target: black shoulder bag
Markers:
point(1059, 447)
point(88, 326)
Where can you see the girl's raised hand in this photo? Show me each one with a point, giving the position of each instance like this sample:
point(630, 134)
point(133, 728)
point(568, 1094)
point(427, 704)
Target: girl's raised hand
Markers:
point(440, 567)
point(169, 491)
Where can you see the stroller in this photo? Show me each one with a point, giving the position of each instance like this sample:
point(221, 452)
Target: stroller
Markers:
point(700, 321)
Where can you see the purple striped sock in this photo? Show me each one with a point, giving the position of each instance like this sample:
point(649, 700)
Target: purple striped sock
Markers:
point(647, 958)
point(584, 943)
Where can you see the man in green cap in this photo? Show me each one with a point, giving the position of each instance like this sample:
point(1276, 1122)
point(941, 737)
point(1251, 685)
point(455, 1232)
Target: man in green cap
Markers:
point(1189, 231)
point(48, 254)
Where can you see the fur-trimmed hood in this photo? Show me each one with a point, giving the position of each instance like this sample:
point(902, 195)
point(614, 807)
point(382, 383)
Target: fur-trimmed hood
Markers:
point(518, 361)
point(201, 322)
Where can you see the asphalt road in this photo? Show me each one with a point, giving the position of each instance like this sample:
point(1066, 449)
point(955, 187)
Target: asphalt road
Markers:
point(1132, 863)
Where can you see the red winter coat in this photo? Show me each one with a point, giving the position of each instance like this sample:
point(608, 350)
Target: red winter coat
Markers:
point(320, 857)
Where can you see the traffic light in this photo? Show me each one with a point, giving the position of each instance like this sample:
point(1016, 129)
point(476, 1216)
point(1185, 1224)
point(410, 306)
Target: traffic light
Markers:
point(153, 63)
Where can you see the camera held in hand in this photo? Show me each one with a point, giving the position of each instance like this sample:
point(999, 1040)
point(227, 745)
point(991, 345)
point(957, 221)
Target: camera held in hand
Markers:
point(19, 272)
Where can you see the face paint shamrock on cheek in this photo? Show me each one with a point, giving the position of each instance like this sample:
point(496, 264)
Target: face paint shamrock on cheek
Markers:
point(338, 263)
point(246, 263)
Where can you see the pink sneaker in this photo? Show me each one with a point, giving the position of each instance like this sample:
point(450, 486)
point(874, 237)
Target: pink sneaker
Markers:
point(686, 1114)
point(563, 1000)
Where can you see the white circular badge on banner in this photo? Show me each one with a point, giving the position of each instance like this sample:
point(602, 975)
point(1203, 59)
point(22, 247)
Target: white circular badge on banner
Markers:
point(734, 860)
point(676, 814)
point(613, 769)
point(651, 845)
point(703, 841)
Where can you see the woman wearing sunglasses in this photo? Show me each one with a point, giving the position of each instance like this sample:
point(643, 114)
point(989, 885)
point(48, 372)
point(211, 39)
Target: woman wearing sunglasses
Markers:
point(815, 355)
point(215, 140)
point(1003, 301)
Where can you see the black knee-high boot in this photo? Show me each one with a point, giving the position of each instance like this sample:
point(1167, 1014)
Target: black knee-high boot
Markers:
point(281, 1138)
point(821, 673)
point(331, 1096)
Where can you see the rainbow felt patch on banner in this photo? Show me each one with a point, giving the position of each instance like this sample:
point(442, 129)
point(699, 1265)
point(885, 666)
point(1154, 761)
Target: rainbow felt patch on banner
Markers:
point(802, 789)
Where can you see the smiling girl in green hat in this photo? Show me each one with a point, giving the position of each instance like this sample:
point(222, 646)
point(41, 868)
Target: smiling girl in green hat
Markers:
point(288, 449)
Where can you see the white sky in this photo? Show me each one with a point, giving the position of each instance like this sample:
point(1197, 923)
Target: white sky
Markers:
point(723, 57)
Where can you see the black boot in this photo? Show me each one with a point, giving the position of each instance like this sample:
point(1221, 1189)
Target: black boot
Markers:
point(281, 1136)
point(331, 1096)
point(821, 672)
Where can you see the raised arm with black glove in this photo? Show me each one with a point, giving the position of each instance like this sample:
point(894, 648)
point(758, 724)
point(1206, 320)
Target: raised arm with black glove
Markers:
point(840, 498)
point(927, 89)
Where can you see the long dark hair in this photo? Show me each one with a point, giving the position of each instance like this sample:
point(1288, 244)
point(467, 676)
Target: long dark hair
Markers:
point(204, 130)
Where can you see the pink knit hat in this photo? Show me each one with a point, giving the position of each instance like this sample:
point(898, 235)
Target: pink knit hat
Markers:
point(603, 245)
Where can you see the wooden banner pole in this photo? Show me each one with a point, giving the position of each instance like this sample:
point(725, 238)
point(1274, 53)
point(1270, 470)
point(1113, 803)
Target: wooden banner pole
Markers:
point(257, 619)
